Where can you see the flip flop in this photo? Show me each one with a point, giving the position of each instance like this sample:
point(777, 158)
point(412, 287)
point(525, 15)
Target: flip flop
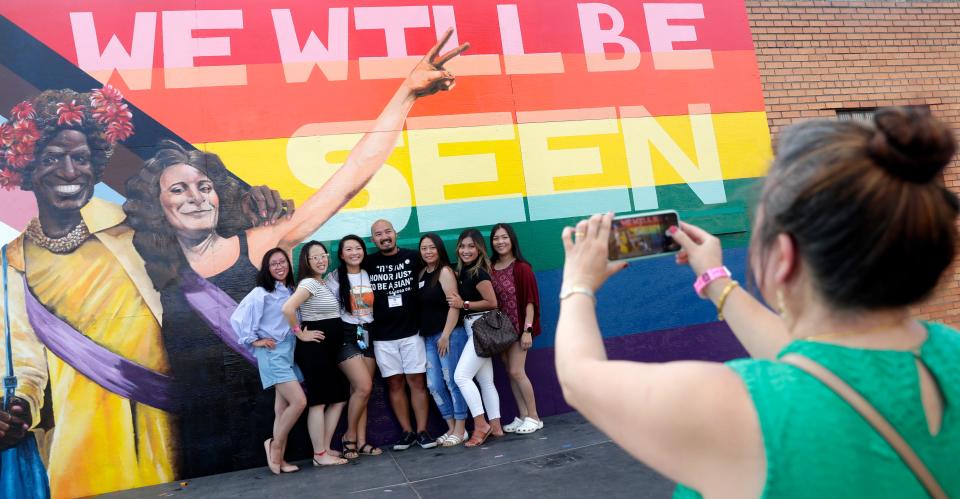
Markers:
point(274, 468)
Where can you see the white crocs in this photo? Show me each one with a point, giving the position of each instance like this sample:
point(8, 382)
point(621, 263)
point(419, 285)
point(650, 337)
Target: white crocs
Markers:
point(528, 426)
point(512, 427)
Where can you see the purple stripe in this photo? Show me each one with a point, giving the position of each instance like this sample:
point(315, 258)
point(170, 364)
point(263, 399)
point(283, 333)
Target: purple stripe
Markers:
point(214, 306)
point(105, 368)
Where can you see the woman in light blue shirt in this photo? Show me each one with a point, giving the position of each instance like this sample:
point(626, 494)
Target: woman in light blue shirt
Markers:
point(260, 324)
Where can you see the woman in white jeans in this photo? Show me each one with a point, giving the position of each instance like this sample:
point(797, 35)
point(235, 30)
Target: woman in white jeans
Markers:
point(476, 296)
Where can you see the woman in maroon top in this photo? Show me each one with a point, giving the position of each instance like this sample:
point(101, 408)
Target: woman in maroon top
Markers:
point(516, 290)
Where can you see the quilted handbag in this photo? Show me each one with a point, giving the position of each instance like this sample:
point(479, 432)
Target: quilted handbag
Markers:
point(493, 333)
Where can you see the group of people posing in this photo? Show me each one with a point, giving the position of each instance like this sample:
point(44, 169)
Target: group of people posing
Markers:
point(408, 313)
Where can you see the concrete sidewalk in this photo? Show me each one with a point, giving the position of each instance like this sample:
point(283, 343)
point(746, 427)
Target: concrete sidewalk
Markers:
point(569, 458)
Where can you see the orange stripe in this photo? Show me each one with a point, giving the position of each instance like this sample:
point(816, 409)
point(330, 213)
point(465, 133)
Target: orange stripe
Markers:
point(267, 107)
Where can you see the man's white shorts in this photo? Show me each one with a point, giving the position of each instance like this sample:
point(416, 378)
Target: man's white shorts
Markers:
point(404, 356)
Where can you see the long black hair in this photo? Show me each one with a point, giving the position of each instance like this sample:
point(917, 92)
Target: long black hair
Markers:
point(265, 280)
point(443, 260)
point(514, 243)
point(342, 278)
point(304, 270)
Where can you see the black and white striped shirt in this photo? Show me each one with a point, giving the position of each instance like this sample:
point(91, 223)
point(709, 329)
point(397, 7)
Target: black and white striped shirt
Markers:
point(322, 304)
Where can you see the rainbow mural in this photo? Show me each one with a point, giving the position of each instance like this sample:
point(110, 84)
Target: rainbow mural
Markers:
point(562, 109)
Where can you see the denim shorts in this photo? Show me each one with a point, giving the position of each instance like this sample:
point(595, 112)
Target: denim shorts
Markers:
point(350, 346)
point(276, 365)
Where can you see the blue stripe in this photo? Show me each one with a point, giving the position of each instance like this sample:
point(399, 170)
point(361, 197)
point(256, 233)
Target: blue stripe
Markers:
point(649, 295)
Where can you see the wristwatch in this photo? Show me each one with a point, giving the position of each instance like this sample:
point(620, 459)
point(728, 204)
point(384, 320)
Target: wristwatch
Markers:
point(528, 328)
point(466, 305)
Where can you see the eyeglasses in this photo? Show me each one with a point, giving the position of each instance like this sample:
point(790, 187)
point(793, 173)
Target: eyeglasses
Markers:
point(278, 265)
point(318, 258)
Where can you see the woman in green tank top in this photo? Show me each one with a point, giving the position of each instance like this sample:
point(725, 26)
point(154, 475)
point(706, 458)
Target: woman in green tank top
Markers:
point(854, 226)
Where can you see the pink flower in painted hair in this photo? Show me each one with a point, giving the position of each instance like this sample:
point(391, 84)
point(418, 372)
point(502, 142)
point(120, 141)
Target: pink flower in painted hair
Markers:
point(23, 111)
point(69, 113)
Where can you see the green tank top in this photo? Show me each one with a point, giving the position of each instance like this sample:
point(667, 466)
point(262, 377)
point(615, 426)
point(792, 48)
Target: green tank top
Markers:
point(818, 446)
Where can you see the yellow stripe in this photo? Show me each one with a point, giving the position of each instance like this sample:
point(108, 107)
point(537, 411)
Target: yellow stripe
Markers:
point(476, 163)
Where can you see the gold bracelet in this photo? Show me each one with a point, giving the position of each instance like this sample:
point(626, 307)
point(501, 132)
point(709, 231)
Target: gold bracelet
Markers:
point(723, 298)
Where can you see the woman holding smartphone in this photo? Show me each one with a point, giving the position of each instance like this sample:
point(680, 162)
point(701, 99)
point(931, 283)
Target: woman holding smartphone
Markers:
point(351, 285)
point(318, 349)
point(518, 297)
point(444, 338)
point(259, 323)
point(476, 295)
point(854, 226)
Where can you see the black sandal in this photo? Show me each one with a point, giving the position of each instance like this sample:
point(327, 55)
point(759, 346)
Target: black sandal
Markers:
point(374, 451)
point(349, 449)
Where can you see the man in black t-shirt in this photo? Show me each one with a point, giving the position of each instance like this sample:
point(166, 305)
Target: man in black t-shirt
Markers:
point(397, 344)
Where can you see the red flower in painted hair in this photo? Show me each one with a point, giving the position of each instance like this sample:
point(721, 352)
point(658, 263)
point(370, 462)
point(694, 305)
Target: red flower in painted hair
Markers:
point(26, 131)
point(6, 135)
point(10, 179)
point(20, 155)
point(117, 131)
point(108, 96)
point(69, 113)
point(23, 111)
point(109, 113)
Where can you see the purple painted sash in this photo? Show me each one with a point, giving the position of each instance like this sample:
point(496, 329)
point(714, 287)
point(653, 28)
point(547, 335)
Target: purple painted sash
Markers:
point(105, 368)
point(215, 307)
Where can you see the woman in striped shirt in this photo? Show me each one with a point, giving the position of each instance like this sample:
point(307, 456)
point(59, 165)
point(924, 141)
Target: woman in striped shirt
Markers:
point(318, 350)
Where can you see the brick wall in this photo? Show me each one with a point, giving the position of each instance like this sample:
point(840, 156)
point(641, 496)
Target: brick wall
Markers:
point(819, 56)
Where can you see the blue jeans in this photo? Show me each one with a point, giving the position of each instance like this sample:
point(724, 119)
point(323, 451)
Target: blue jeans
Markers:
point(440, 370)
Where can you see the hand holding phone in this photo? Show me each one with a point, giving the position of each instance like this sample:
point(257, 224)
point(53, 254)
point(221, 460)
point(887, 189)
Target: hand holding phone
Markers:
point(643, 235)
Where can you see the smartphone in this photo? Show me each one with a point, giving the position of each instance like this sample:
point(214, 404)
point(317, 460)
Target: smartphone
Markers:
point(643, 235)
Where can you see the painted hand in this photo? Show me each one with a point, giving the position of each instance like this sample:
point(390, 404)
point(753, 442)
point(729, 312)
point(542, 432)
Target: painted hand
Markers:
point(262, 205)
point(15, 423)
point(428, 76)
point(586, 263)
point(700, 249)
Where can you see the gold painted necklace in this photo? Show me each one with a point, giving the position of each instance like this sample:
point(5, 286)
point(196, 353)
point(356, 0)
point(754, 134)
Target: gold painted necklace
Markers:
point(60, 245)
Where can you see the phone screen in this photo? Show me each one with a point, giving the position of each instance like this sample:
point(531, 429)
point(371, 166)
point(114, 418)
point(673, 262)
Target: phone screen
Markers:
point(637, 236)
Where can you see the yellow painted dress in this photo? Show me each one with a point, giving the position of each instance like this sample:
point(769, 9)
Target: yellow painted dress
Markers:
point(102, 442)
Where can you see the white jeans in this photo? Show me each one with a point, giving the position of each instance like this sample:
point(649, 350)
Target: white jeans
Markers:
point(471, 365)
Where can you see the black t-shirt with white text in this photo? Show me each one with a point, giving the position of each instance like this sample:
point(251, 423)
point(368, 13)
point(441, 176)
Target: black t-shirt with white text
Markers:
point(394, 282)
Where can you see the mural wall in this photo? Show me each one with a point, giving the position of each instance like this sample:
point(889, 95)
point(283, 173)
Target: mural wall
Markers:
point(561, 109)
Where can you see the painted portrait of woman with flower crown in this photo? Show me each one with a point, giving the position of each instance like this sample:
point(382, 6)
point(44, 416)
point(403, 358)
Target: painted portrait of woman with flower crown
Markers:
point(97, 387)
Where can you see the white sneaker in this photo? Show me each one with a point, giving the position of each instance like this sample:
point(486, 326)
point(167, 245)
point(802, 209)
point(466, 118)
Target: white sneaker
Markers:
point(512, 427)
point(529, 425)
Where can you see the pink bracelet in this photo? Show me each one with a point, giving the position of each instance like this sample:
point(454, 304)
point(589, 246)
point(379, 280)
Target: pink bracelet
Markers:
point(708, 277)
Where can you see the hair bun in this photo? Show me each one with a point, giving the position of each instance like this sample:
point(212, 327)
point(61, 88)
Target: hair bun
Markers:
point(910, 143)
